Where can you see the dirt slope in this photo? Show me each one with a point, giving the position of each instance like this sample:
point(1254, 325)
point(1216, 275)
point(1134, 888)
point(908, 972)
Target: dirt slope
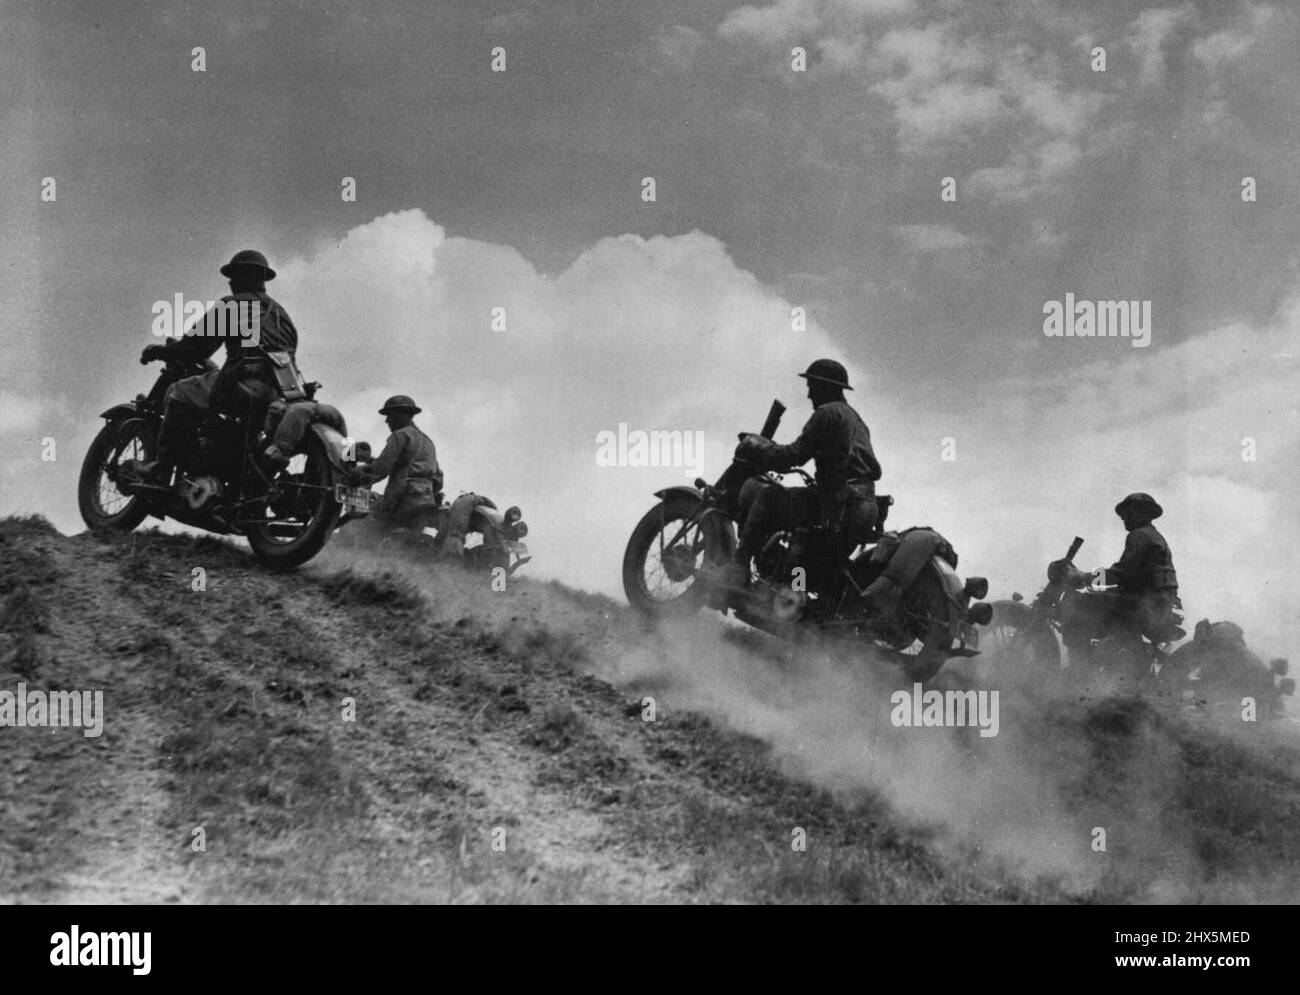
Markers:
point(516, 717)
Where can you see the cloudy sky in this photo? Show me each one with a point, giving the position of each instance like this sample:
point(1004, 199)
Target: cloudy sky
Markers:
point(774, 189)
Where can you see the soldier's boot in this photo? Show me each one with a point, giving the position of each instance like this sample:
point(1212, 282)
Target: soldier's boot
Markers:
point(275, 458)
point(171, 442)
point(882, 597)
point(157, 471)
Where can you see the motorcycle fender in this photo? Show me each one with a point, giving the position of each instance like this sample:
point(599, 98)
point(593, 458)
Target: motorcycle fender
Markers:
point(952, 586)
point(721, 528)
point(118, 412)
point(491, 514)
point(680, 490)
point(335, 444)
point(489, 522)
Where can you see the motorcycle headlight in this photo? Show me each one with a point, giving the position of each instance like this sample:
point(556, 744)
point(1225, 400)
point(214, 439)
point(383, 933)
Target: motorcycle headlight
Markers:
point(520, 529)
point(980, 614)
point(977, 588)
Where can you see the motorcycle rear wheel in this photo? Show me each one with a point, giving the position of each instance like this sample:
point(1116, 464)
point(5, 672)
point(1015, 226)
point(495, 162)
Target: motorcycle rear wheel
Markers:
point(286, 552)
point(101, 502)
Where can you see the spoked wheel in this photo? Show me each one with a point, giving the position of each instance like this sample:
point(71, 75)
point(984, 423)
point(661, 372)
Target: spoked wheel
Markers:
point(103, 505)
point(666, 549)
point(302, 518)
point(927, 616)
point(1013, 639)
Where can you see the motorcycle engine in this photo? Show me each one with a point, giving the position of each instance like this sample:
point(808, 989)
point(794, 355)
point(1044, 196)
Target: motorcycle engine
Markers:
point(198, 491)
point(787, 604)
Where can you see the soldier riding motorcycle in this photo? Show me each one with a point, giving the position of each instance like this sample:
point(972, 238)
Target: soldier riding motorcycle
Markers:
point(190, 448)
point(1102, 629)
point(814, 557)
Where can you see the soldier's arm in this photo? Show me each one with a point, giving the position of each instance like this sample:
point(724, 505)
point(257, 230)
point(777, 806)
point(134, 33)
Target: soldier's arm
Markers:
point(201, 339)
point(383, 466)
point(1129, 561)
point(802, 449)
point(278, 334)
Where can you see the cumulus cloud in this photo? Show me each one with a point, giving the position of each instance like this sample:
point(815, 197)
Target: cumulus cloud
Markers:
point(1024, 174)
point(1147, 36)
point(952, 80)
point(934, 238)
point(1225, 47)
point(678, 44)
point(791, 20)
point(658, 334)
point(19, 413)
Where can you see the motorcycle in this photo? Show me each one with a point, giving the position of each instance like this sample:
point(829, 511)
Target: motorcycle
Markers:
point(286, 514)
point(804, 579)
point(500, 532)
point(1219, 671)
point(1095, 625)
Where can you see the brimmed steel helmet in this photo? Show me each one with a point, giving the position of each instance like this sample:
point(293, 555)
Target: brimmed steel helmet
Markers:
point(828, 371)
point(1140, 499)
point(248, 257)
point(400, 402)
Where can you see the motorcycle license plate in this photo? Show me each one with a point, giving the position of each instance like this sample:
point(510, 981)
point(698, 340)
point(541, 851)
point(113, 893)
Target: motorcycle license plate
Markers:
point(969, 635)
point(354, 499)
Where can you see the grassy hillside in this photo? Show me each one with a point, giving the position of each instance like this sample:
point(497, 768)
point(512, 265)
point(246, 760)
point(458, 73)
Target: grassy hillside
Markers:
point(517, 717)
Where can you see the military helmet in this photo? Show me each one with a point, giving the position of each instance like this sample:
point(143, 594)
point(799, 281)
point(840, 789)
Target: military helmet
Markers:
point(248, 257)
point(827, 371)
point(400, 402)
point(1139, 498)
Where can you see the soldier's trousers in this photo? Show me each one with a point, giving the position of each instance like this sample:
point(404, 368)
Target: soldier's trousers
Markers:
point(192, 399)
point(462, 509)
point(766, 507)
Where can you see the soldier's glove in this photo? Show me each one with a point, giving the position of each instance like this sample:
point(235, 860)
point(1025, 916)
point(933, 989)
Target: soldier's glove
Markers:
point(152, 352)
point(1062, 572)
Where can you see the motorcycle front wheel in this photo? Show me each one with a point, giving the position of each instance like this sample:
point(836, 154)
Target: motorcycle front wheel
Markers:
point(1016, 639)
point(102, 504)
point(659, 565)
